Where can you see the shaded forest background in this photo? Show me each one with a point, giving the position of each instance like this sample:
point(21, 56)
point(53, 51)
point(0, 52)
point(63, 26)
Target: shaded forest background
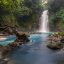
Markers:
point(56, 16)
point(23, 14)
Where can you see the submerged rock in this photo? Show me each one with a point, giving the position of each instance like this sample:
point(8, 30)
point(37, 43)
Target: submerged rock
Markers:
point(4, 61)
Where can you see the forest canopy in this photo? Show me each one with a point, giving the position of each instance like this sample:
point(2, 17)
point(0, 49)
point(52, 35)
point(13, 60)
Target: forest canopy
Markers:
point(56, 10)
point(19, 12)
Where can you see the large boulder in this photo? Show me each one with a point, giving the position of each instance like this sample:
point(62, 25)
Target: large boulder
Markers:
point(55, 46)
point(22, 37)
point(55, 42)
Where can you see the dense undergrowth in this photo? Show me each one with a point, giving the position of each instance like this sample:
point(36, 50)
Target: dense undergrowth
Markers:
point(56, 10)
point(20, 13)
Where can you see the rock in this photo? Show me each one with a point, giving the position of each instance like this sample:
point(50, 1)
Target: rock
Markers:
point(15, 44)
point(55, 46)
point(62, 39)
point(22, 37)
point(54, 42)
point(4, 61)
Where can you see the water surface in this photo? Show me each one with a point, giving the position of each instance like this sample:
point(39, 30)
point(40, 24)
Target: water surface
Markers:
point(36, 52)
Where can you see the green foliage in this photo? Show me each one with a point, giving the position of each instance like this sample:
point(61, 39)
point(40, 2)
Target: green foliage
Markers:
point(61, 33)
point(9, 20)
point(56, 10)
point(55, 5)
point(60, 14)
point(15, 12)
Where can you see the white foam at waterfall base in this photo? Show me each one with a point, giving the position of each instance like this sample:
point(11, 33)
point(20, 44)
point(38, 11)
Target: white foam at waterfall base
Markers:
point(44, 27)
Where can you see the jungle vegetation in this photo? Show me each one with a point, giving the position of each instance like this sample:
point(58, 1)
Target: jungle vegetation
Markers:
point(20, 13)
point(56, 10)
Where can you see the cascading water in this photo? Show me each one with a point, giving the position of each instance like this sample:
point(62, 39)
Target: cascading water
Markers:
point(44, 27)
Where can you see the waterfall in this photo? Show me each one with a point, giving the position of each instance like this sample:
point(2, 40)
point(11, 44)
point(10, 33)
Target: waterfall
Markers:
point(44, 27)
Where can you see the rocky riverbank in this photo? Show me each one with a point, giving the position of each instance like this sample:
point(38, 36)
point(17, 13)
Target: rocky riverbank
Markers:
point(7, 50)
point(56, 41)
point(21, 38)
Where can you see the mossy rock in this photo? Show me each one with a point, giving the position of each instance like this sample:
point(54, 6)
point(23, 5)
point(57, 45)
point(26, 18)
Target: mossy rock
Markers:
point(61, 33)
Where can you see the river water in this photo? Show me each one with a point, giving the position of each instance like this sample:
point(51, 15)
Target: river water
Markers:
point(36, 52)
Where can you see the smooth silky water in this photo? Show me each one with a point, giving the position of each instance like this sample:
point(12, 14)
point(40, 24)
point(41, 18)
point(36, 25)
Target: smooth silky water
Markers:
point(44, 24)
point(36, 52)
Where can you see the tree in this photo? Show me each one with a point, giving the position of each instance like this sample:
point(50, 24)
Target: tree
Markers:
point(56, 10)
point(18, 12)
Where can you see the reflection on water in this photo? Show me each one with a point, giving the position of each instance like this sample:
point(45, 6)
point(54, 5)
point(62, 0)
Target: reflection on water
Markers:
point(36, 52)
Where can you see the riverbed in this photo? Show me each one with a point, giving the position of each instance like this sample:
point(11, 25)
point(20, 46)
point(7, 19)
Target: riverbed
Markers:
point(36, 52)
